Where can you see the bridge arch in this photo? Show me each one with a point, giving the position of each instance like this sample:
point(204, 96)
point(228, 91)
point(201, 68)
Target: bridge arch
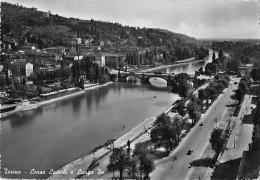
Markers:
point(145, 77)
point(123, 77)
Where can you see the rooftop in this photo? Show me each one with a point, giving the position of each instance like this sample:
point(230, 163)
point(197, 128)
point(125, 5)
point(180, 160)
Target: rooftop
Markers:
point(19, 63)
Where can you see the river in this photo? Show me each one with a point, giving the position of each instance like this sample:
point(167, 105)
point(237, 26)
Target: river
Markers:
point(54, 135)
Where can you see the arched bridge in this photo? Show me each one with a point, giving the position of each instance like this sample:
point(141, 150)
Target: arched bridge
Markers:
point(122, 76)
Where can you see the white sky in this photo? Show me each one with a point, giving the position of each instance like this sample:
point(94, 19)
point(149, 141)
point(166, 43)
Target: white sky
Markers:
point(196, 18)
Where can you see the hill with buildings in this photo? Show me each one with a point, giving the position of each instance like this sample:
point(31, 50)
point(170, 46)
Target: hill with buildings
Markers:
point(30, 25)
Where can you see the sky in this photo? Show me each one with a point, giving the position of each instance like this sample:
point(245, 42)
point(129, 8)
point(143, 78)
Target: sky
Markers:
point(195, 18)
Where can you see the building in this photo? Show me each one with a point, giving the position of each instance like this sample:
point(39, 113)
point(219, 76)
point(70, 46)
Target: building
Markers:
point(86, 51)
point(102, 43)
point(109, 57)
point(109, 43)
point(48, 67)
point(103, 61)
point(245, 69)
point(56, 50)
point(71, 41)
point(3, 94)
point(124, 42)
point(1, 67)
point(72, 57)
point(21, 68)
point(46, 14)
point(29, 47)
point(78, 40)
point(7, 63)
point(86, 42)
point(45, 58)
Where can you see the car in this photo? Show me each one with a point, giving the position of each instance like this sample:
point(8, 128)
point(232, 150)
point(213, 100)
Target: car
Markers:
point(201, 123)
point(189, 152)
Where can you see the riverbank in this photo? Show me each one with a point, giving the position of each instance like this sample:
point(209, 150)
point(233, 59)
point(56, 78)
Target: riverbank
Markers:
point(75, 169)
point(82, 166)
point(94, 86)
point(53, 100)
point(187, 61)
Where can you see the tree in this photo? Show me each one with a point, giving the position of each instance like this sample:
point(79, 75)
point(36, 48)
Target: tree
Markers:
point(233, 65)
point(213, 56)
point(194, 112)
point(211, 67)
point(132, 167)
point(226, 77)
point(243, 86)
point(166, 131)
point(202, 96)
point(220, 54)
point(155, 135)
point(178, 124)
point(184, 90)
point(146, 165)
point(239, 95)
point(217, 77)
point(217, 140)
point(211, 93)
point(220, 87)
point(180, 84)
point(255, 74)
point(2, 81)
point(161, 119)
point(223, 81)
point(181, 108)
point(195, 99)
point(76, 71)
point(118, 161)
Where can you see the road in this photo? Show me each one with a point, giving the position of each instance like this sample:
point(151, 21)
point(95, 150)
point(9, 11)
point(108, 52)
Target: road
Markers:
point(238, 142)
point(197, 141)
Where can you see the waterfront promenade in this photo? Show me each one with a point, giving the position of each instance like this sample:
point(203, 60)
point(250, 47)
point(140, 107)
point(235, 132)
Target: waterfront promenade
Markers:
point(73, 169)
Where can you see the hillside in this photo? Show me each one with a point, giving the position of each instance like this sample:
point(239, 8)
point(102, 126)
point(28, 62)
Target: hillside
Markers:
point(46, 29)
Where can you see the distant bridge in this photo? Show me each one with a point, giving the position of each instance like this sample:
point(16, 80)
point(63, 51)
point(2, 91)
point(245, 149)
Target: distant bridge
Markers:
point(144, 76)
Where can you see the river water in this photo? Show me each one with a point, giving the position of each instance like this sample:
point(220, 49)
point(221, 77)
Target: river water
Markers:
point(56, 134)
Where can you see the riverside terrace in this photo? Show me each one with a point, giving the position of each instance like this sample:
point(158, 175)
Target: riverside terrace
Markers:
point(122, 76)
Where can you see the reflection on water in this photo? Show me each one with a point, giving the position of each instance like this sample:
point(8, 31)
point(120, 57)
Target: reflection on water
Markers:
point(158, 82)
point(134, 80)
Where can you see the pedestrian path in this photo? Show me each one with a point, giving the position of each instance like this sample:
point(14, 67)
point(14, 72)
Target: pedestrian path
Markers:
point(240, 137)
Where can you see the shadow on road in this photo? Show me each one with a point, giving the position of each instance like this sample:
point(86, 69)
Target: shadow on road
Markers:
point(226, 170)
point(248, 119)
point(203, 162)
point(231, 105)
